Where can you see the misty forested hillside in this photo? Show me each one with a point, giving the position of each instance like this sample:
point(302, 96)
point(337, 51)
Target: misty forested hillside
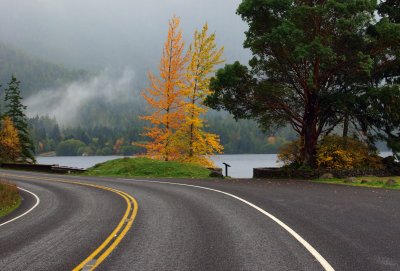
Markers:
point(34, 73)
point(74, 112)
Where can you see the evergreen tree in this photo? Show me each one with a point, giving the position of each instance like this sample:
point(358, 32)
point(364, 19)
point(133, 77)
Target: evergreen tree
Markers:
point(56, 134)
point(15, 110)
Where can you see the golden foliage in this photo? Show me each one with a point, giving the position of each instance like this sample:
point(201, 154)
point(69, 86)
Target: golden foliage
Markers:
point(165, 96)
point(176, 98)
point(203, 147)
point(10, 148)
point(332, 158)
point(197, 145)
point(334, 152)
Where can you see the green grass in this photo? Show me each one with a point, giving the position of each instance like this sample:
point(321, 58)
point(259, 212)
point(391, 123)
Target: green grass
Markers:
point(145, 167)
point(372, 181)
point(9, 198)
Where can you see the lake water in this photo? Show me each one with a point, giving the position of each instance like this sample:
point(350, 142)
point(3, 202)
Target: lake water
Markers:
point(241, 164)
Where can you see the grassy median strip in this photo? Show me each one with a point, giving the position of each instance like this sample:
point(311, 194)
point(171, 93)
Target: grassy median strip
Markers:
point(145, 167)
point(371, 181)
point(9, 198)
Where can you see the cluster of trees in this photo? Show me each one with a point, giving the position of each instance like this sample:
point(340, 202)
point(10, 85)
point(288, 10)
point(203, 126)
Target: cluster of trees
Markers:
point(71, 141)
point(244, 136)
point(15, 140)
point(236, 136)
point(176, 130)
point(317, 65)
point(101, 124)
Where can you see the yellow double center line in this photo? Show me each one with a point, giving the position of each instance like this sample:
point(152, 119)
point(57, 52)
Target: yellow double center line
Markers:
point(111, 242)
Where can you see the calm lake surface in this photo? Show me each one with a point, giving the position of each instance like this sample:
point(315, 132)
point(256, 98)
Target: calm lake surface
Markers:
point(241, 164)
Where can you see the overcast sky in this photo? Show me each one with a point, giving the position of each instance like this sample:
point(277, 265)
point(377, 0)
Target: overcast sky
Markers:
point(114, 33)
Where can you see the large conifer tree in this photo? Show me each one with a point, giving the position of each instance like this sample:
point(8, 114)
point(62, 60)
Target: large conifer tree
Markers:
point(15, 110)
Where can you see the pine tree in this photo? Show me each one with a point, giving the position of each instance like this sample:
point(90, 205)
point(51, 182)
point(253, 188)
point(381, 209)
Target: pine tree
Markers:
point(196, 144)
point(15, 110)
point(56, 134)
point(9, 141)
point(165, 97)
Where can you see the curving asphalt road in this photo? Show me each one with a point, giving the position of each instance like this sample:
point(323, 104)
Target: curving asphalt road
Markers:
point(188, 228)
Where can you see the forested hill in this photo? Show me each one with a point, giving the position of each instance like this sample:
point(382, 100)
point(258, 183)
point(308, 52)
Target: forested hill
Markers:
point(34, 73)
point(84, 113)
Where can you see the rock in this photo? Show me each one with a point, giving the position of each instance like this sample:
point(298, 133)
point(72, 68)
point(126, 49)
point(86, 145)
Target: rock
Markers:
point(350, 180)
point(391, 182)
point(326, 176)
point(364, 181)
point(216, 174)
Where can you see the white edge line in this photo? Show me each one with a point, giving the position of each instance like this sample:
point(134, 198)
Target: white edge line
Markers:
point(27, 212)
point(300, 239)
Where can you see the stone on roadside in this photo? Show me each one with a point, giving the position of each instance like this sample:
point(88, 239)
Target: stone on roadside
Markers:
point(391, 182)
point(326, 176)
point(350, 180)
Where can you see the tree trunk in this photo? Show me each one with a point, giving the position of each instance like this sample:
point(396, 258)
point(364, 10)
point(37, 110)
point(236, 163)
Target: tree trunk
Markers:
point(310, 132)
point(345, 130)
point(168, 137)
point(310, 146)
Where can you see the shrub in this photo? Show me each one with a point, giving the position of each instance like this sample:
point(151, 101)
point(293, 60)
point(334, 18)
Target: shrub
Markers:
point(333, 152)
point(336, 153)
point(290, 153)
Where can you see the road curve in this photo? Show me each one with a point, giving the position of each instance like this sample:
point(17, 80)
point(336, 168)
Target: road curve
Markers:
point(70, 222)
point(184, 228)
point(29, 201)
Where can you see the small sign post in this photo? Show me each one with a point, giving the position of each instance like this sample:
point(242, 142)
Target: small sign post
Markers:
point(226, 169)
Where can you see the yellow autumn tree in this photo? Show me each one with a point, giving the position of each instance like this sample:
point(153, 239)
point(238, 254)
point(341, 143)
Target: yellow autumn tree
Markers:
point(165, 97)
point(10, 148)
point(195, 143)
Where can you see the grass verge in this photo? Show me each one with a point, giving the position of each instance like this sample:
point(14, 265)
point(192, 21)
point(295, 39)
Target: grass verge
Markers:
point(9, 198)
point(145, 167)
point(371, 181)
